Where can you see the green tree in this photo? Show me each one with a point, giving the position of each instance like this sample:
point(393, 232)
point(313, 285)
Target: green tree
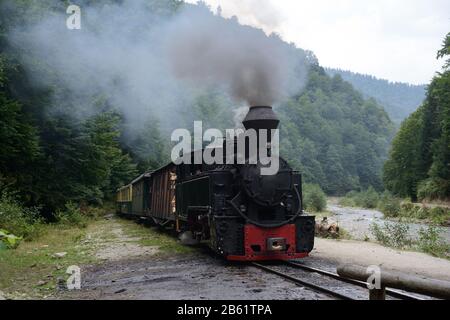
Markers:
point(107, 167)
point(419, 160)
point(401, 171)
point(19, 142)
point(334, 136)
point(146, 146)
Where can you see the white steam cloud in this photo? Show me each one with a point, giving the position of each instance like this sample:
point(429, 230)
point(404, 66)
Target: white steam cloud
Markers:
point(150, 63)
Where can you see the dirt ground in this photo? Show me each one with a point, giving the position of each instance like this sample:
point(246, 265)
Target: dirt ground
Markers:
point(130, 269)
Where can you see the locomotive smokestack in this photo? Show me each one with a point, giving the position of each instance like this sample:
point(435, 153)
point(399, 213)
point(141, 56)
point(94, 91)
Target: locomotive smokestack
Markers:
point(261, 117)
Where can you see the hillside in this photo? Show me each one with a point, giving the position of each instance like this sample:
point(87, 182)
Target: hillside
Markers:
point(334, 136)
point(97, 114)
point(398, 99)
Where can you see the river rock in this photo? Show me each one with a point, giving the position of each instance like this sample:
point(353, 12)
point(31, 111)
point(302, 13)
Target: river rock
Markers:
point(326, 228)
point(59, 254)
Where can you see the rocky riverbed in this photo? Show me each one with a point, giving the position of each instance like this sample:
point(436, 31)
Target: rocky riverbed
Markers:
point(357, 222)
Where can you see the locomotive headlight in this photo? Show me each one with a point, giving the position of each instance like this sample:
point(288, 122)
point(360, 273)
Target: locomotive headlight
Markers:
point(243, 208)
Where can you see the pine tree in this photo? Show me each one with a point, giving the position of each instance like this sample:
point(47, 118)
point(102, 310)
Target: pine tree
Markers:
point(419, 162)
point(19, 143)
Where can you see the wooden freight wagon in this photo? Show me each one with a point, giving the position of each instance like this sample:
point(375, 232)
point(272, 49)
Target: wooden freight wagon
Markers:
point(163, 204)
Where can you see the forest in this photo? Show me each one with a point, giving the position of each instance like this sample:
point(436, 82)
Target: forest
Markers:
point(62, 144)
point(398, 99)
point(419, 161)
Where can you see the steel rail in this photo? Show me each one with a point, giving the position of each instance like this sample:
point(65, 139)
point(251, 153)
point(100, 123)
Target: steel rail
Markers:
point(302, 282)
point(391, 292)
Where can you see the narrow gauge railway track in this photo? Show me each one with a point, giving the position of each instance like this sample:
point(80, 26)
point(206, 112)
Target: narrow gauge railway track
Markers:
point(322, 289)
point(390, 292)
point(301, 282)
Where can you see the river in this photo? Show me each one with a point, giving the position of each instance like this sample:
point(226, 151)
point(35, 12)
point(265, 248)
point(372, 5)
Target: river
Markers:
point(357, 222)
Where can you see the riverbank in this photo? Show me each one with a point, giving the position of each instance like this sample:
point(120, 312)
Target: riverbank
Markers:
point(371, 225)
point(368, 253)
point(425, 212)
point(357, 222)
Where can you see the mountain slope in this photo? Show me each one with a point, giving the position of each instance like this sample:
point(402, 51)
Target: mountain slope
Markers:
point(334, 136)
point(398, 99)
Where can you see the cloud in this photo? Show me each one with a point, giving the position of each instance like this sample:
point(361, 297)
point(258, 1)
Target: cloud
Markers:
point(397, 40)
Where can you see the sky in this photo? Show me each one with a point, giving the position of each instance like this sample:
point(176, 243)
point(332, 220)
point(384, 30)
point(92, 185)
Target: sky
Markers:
point(390, 39)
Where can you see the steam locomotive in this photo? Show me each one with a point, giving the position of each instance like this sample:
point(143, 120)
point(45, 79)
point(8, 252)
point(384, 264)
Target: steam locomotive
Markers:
point(241, 214)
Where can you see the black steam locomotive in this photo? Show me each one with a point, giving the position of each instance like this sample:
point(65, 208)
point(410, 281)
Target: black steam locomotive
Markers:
point(241, 214)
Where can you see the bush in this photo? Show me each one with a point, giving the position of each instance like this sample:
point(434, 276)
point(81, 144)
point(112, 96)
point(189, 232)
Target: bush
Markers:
point(389, 205)
point(17, 219)
point(396, 235)
point(432, 189)
point(440, 216)
point(349, 199)
point(421, 213)
point(408, 209)
point(392, 234)
point(431, 242)
point(364, 199)
point(314, 199)
point(369, 198)
point(71, 216)
point(436, 215)
point(8, 240)
point(93, 212)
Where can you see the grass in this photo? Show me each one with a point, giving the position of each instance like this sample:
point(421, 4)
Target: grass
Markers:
point(32, 271)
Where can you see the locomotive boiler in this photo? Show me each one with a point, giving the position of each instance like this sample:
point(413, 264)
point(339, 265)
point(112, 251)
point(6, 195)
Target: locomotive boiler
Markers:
point(240, 213)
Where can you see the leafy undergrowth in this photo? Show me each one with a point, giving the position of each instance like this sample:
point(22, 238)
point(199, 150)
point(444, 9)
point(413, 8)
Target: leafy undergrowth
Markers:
point(422, 213)
point(396, 235)
point(395, 208)
point(32, 269)
point(18, 220)
point(314, 199)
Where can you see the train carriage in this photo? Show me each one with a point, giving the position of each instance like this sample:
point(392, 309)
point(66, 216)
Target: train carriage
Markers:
point(124, 200)
point(141, 195)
